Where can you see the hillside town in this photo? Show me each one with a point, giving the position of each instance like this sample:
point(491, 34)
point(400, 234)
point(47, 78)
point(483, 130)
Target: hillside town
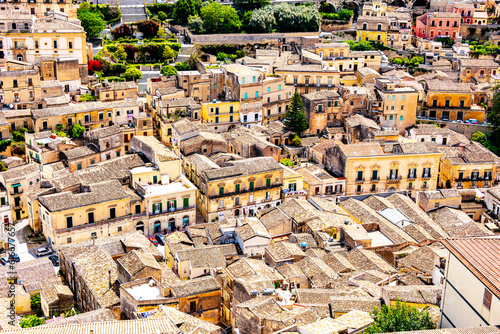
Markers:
point(249, 167)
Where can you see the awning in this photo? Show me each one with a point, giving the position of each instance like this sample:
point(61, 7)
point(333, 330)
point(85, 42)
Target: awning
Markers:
point(16, 185)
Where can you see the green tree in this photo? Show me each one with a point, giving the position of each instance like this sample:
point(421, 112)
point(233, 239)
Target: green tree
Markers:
point(243, 6)
point(295, 119)
point(87, 98)
point(132, 73)
point(120, 53)
point(219, 18)
point(168, 70)
point(183, 9)
point(262, 20)
point(168, 53)
point(400, 318)
point(192, 61)
point(36, 305)
point(287, 162)
point(77, 130)
point(30, 321)
point(92, 23)
point(296, 141)
point(479, 137)
point(19, 134)
point(162, 16)
point(195, 24)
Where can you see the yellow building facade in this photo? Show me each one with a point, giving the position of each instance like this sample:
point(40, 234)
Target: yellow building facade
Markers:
point(221, 116)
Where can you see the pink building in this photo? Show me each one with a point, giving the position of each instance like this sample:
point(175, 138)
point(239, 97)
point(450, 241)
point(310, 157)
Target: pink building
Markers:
point(466, 10)
point(438, 24)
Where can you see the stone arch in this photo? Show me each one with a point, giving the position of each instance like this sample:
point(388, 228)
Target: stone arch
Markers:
point(171, 224)
point(139, 226)
point(157, 226)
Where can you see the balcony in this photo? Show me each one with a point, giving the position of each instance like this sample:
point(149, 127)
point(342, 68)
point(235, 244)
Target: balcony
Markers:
point(376, 179)
point(171, 210)
point(393, 179)
point(426, 176)
point(246, 190)
point(99, 223)
point(360, 180)
point(290, 193)
point(45, 128)
point(412, 177)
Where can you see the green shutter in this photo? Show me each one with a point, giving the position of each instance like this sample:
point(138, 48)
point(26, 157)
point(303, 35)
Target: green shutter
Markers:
point(161, 210)
point(268, 182)
point(251, 185)
point(237, 188)
point(175, 204)
point(186, 202)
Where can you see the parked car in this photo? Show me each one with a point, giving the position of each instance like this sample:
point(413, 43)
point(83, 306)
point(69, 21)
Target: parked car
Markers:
point(160, 238)
point(55, 260)
point(43, 251)
point(4, 261)
point(473, 121)
point(16, 258)
point(153, 240)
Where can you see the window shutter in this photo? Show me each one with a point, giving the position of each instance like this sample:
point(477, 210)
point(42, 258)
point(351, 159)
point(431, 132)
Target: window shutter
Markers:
point(175, 204)
point(160, 207)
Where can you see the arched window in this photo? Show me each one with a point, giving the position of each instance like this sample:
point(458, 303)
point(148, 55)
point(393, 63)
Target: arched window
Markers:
point(140, 226)
point(364, 26)
point(185, 221)
point(379, 27)
point(157, 227)
point(20, 58)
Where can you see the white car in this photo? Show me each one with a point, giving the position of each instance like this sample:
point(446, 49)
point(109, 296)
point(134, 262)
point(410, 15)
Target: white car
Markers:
point(43, 251)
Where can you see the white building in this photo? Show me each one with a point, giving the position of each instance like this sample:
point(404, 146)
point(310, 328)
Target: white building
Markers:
point(471, 291)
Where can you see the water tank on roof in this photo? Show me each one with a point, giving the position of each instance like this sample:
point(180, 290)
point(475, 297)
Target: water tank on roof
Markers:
point(268, 291)
point(214, 100)
point(304, 245)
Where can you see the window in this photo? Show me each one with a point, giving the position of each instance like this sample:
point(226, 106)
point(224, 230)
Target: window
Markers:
point(242, 80)
point(401, 118)
point(217, 119)
point(79, 166)
point(245, 96)
point(427, 172)
point(394, 174)
point(402, 97)
point(90, 216)
point(237, 201)
point(237, 188)
point(70, 45)
point(268, 182)
point(268, 195)
point(252, 184)
point(358, 188)
point(112, 213)
point(221, 191)
point(68, 240)
point(279, 87)
point(256, 94)
point(250, 200)
point(487, 299)
point(446, 103)
point(185, 202)
point(320, 108)
point(221, 203)
point(230, 109)
point(268, 89)
point(360, 175)
point(391, 117)
point(55, 44)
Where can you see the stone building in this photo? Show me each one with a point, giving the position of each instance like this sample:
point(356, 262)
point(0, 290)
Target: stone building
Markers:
point(478, 70)
point(65, 70)
point(240, 188)
point(370, 168)
point(17, 182)
point(309, 77)
point(31, 39)
point(248, 144)
point(322, 110)
point(398, 104)
point(114, 91)
point(20, 85)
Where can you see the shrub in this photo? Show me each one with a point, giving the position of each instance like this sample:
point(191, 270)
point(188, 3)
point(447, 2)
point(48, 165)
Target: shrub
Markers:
point(94, 66)
point(132, 73)
point(87, 98)
point(148, 28)
point(77, 130)
point(122, 31)
point(168, 70)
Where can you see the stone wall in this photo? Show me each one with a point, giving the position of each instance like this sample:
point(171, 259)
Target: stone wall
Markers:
point(329, 25)
point(466, 129)
point(243, 39)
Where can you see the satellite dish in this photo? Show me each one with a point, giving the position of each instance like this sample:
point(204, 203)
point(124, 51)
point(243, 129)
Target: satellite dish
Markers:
point(11, 106)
